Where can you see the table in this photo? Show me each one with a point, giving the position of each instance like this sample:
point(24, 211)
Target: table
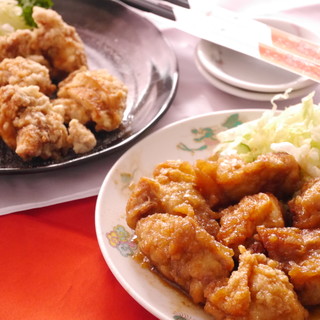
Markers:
point(51, 266)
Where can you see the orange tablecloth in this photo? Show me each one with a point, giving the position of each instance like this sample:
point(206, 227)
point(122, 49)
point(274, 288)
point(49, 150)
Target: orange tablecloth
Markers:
point(51, 267)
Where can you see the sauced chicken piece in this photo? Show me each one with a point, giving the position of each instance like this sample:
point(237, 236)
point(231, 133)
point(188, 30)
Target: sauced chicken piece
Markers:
point(238, 223)
point(143, 201)
point(173, 190)
point(299, 253)
point(58, 41)
point(100, 97)
point(305, 206)
point(80, 137)
point(183, 252)
point(28, 125)
point(25, 72)
point(277, 173)
point(257, 290)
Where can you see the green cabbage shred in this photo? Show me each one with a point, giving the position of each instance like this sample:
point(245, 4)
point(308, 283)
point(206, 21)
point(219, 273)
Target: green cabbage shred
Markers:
point(296, 130)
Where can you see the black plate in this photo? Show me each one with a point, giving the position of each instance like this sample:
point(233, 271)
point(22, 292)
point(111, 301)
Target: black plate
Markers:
point(133, 50)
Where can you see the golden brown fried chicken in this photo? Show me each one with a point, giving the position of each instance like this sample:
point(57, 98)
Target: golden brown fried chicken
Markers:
point(305, 206)
point(25, 72)
point(80, 137)
point(230, 178)
point(299, 253)
point(19, 43)
point(100, 97)
point(28, 125)
point(173, 190)
point(58, 41)
point(183, 252)
point(257, 290)
point(238, 223)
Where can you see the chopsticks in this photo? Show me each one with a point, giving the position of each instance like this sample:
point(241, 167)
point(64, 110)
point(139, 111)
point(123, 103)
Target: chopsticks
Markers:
point(157, 8)
point(239, 33)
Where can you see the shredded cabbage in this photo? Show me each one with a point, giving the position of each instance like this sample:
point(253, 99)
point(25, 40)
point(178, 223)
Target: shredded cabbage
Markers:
point(296, 130)
point(11, 17)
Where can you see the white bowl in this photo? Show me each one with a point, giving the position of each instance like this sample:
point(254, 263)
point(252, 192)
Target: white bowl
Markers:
point(245, 72)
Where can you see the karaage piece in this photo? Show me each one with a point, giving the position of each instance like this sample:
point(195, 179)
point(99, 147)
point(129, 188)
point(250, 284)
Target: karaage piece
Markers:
point(238, 223)
point(29, 126)
point(258, 289)
point(277, 173)
point(298, 250)
point(305, 206)
point(19, 43)
point(183, 252)
point(58, 42)
point(80, 137)
point(100, 96)
point(172, 190)
point(25, 72)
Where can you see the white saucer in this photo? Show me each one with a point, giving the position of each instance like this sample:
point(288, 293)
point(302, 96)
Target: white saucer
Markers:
point(248, 94)
point(248, 73)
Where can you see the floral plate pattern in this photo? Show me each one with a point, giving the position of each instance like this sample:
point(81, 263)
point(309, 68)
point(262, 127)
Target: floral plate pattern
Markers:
point(188, 140)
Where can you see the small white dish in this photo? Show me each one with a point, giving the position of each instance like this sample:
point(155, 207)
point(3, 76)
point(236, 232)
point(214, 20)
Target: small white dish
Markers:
point(248, 94)
point(248, 73)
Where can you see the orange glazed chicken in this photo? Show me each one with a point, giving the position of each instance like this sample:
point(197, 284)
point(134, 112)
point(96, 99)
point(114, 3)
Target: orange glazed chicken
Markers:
point(184, 252)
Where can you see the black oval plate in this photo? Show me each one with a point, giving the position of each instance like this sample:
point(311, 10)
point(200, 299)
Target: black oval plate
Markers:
point(133, 50)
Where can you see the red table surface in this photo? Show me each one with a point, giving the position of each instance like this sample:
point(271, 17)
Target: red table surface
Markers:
point(51, 267)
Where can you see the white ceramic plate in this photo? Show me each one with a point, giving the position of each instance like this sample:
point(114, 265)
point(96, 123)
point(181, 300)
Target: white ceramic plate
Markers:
point(187, 140)
point(248, 94)
point(248, 73)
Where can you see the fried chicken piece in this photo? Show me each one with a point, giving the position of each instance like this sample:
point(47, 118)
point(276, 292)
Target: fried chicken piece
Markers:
point(173, 190)
point(305, 206)
point(19, 43)
point(298, 250)
point(238, 223)
point(257, 290)
point(29, 126)
point(58, 41)
point(25, 72)
point(70, 109)
point(80, 137)
point(100, 97)
point(53, 39)
point(183, 252)
point(277, 173)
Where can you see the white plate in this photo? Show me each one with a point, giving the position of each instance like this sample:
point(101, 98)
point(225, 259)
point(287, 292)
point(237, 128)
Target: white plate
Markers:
point(248, 73)
point(187, 140)
point(248, 94)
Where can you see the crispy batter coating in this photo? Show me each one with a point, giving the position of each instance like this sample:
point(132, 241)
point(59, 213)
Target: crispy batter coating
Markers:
point(25, 72)
point(257, 290)
point(238, 223)
point(276, 173)
point(80, 137)
point(298, 250)
point(305, 206)
point(19, 43)
point(28, 125)
point(183, 252)
point(100, 97)
point(58, 41)
point(173, 190)
point(53, 39)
